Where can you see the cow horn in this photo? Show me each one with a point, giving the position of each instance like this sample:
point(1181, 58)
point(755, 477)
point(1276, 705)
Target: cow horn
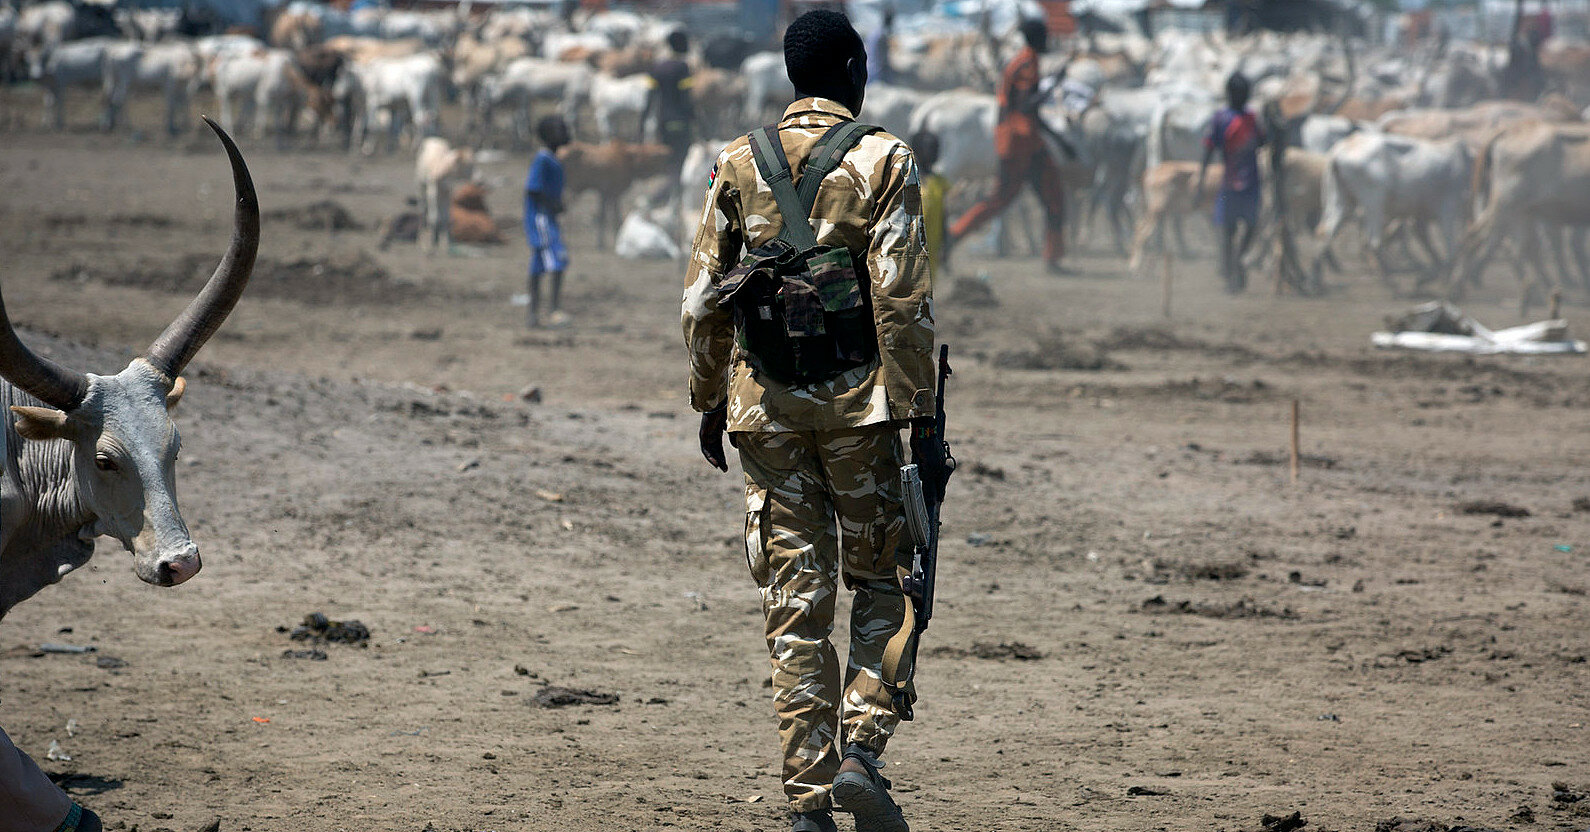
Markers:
point(183, 338)
point(39, 377)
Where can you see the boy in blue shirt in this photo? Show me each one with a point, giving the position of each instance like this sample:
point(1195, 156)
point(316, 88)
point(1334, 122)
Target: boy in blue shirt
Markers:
point(543, 202)
point(1235, 133)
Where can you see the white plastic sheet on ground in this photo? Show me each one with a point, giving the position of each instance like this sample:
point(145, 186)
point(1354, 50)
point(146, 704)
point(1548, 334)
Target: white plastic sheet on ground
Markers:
point(1440, 327)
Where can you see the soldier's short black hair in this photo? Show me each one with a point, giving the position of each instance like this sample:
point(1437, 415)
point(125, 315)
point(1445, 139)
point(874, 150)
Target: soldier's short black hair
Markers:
point(552, 130)
point(816, 47)
point(1237, 90)
point(678, 41)
point(925, 145)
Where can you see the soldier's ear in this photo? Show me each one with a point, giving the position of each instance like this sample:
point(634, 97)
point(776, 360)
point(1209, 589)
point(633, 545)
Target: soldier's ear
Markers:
point(40, 423)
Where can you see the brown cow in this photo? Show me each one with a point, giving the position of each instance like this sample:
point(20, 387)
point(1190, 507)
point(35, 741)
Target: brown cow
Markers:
point(610, 169)
point(471, 219)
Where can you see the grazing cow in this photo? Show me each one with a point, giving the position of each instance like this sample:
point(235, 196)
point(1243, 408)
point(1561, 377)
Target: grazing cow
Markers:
point(170, 68)
point(88, 455)
point(397, 93)
point(617, 104)
point(610, 169)
point(438, 168)
point(1530, 173)
point(1391, 177)
point(265, 86)
point(473, 60)
point(528, 80)
point(78, 64)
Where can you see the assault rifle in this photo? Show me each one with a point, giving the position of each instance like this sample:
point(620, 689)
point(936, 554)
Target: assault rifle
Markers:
point(922, 483)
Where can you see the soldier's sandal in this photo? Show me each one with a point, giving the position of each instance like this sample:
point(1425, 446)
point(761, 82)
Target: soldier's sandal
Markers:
point(866, 795)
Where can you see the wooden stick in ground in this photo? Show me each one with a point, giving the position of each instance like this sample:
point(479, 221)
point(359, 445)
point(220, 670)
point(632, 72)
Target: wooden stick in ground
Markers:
point(1164, 283)
point(1296, 457)
point(1556, 304)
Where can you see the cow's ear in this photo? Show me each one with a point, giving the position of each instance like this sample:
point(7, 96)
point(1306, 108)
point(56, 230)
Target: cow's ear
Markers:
point(40, 422)
point(177, 389)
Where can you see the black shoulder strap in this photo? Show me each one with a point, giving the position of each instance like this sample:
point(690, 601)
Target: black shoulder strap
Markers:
point(826, 155)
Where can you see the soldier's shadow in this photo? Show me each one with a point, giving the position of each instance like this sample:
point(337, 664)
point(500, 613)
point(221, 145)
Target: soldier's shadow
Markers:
point(84, 784)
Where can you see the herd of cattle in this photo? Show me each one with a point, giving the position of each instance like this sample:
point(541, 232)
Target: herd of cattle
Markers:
point(1405, 138)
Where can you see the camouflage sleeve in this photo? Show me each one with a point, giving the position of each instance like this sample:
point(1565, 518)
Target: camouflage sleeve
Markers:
point(709, 330)
point(902, 288)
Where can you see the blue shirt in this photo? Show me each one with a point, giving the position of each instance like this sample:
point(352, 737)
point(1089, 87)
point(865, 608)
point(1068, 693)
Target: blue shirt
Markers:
point(546, 181)
point(1237, 135)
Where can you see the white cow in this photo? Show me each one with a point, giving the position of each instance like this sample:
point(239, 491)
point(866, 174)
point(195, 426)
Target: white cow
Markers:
point(891, 108)
point(526, 81)
point(964, 123)
point(1320, 132)
point(1389, 177)
point(169, 68)
point(78, 64)
point(617, 104)
point(265, 87)
point(438, 168)
point(766, 85)
point(397, 93)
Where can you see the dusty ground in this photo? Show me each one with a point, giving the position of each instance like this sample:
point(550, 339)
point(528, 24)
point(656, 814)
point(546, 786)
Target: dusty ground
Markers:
point(1205, 644)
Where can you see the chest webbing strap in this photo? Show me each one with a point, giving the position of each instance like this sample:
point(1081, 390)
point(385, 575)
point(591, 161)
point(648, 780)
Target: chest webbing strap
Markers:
point(797, 199)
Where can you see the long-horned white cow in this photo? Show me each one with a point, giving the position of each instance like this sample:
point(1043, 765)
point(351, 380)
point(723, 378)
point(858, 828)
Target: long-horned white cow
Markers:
point(87, 455)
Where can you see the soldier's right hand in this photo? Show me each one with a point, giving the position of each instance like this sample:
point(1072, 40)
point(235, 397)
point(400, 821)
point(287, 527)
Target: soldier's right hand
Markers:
point(713, 424)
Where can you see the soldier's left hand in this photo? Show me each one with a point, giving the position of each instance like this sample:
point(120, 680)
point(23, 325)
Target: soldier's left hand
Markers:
point(713, 424)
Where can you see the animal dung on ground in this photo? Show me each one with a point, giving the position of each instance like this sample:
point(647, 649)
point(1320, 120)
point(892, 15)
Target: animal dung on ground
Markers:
point(988, 650)
point(554, 696)
point(973, 292)
point(1496, 507)
point(325, 215)
point(318, 629)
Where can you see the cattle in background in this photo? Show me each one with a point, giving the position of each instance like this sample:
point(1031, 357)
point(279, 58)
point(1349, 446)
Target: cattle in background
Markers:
point(526, 81)
point(1529, 174)
point(1386, 177)
point(610, 169)
point(438, 169)
point(87, 455)
point(766, 85)
point(617, 104)
point(169, 68)
point(81, 65)
point(263, 89)
point(394, 96)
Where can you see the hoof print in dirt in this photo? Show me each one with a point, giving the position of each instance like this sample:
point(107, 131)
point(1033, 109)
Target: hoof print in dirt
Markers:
point(318, 629)
point(558, 697)
point(988, 650)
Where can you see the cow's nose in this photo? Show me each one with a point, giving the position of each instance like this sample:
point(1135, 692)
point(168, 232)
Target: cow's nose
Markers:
point(178, 568)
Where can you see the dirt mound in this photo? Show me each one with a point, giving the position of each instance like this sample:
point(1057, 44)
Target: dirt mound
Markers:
point(973, 292)
point(325, 215)
point(1238, 609)
point(1159, 339)
point(989, 650)
point(1057, 351)
point(355, 278)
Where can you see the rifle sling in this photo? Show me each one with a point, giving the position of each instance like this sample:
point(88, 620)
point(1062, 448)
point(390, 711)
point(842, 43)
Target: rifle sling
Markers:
point(797, 201)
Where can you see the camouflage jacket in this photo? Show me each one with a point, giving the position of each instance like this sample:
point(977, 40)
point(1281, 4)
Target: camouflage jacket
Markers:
point(872, 205)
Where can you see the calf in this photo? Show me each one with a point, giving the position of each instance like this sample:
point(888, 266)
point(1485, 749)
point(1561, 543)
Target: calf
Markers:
point(438, 168)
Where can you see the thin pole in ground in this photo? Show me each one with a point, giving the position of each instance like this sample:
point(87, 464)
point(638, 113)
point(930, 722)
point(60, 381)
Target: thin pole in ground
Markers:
point(1296, 456)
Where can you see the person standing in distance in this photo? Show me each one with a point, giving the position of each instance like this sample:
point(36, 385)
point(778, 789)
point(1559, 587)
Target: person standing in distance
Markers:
point(822, 457)
point(543, 204)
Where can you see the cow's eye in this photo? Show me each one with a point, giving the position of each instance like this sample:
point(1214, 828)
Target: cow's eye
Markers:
point(104, 463)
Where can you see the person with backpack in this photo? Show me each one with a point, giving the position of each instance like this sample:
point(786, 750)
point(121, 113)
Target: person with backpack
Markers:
point(1235, 133)
point(813, 351)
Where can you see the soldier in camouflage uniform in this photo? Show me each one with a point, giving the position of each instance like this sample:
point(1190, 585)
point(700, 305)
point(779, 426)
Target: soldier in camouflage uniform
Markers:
point(822, 461)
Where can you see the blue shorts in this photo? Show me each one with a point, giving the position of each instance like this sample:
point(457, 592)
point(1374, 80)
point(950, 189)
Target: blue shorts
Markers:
point(1231, 206)
point(547, 253)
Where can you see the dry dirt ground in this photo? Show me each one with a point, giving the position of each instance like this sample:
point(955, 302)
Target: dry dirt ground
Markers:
point(1142, 625)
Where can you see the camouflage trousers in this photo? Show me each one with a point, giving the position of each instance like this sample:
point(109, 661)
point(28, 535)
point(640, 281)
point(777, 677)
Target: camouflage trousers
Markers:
point(816, 502)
